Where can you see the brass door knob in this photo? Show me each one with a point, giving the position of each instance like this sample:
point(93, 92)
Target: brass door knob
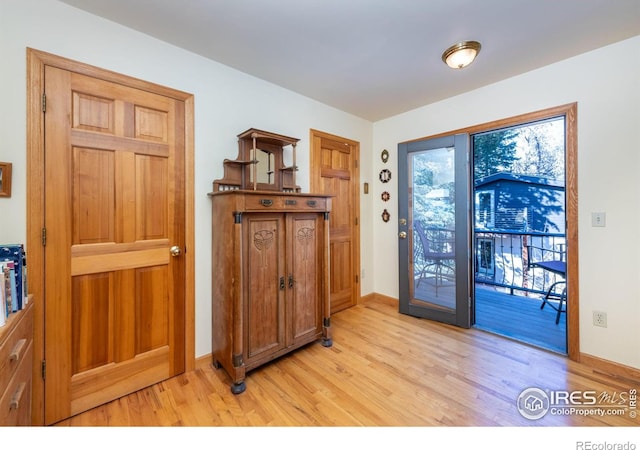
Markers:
point(402, 235)
point(175, 251)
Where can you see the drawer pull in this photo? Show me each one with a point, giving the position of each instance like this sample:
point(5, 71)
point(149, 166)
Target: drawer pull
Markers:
point(17, 350)
point(266, 202)
point(17, 396)
point(311, 203)
point(290, 202)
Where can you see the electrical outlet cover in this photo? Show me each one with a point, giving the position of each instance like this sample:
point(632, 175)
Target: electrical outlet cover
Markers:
point(600, 319)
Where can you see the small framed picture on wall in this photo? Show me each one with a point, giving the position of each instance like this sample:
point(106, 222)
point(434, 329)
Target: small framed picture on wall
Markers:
point(5, 179)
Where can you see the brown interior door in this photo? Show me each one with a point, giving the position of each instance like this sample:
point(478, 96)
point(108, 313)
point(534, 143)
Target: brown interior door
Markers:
point(335, 172)
point(114, 218)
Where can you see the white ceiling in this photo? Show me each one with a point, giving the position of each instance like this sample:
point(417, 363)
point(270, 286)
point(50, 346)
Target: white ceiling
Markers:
point(377, 58)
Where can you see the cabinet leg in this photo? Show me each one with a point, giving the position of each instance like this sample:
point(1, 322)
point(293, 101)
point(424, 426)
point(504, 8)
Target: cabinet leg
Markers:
point(238, 388)
point(327, 342)
point(216, 364)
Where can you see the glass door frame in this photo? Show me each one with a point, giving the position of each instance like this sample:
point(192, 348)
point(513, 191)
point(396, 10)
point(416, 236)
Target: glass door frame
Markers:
point(462, 314)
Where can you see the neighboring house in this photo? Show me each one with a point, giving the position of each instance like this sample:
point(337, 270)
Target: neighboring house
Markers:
point(512, 212)
point(525, 203)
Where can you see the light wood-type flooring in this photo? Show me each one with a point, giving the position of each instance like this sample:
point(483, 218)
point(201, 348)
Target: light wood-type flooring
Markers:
point(384, 369)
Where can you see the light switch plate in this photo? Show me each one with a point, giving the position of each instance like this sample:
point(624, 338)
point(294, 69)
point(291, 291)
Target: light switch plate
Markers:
point(598, 219)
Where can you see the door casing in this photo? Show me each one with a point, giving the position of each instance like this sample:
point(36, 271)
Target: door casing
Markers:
point(36, 62)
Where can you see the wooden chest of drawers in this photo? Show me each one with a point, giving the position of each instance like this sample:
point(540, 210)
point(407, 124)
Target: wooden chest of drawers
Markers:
point(16, 362)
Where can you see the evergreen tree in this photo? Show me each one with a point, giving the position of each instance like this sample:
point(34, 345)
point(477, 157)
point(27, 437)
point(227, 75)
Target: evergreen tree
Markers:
point(494, 152)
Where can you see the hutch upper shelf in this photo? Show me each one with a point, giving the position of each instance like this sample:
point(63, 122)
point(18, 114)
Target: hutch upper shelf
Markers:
point(260, 164)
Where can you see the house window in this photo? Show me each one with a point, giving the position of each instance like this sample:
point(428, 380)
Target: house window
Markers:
point(485, 262)
point(514, 218)
point(484, 209)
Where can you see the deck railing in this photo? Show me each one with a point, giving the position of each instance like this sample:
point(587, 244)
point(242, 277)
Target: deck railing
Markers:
point(502, 259)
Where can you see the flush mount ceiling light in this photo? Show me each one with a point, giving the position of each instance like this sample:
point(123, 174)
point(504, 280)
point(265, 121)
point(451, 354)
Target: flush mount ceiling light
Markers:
point(461, 55)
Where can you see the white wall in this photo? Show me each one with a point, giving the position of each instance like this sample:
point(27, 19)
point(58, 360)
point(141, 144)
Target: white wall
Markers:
point(606, 85)
point(227, 102)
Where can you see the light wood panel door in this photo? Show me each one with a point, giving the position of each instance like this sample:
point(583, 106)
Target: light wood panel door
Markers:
point(335, 172)
point(115, 239)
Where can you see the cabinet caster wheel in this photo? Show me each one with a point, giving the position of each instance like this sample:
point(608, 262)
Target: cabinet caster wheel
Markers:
point(327, 342)
point(238, 388)
point(216, 364)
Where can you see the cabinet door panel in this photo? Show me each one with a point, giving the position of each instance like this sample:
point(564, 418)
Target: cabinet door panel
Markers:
point(305, 271)
point(263, 302)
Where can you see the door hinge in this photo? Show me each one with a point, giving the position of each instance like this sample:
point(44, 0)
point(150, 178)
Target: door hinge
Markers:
point(43, 368)
point(43, 235)
point(44, 102)
point(356, 221)
point(357, 279)
point(356, 162)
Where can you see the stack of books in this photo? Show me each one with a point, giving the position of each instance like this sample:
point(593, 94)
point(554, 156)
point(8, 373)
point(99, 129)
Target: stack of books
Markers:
point(13, 280)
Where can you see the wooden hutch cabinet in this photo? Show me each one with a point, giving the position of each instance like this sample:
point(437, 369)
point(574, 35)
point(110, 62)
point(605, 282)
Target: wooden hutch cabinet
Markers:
point(270, 247)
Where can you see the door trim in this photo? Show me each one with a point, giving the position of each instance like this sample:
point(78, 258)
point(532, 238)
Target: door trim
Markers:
point(36, 62)
point(570, 111)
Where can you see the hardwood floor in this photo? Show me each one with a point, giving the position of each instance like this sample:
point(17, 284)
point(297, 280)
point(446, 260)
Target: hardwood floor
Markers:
point(384, 369)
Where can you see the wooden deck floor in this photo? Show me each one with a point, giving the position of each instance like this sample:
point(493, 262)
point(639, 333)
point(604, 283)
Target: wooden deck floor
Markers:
point(514, 316)
point(520, 318)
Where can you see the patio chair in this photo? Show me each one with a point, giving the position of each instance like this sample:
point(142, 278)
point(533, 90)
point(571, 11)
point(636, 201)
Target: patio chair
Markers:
point(557, 266)
point(438, 254)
